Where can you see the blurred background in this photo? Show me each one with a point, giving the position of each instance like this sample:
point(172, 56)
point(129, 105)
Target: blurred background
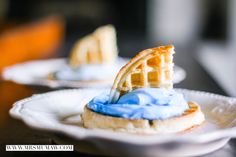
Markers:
point(198, 28)
point(203, 32)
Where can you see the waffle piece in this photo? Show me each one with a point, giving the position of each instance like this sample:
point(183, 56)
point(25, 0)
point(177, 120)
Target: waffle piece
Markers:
point(98, 47)
point(189, 119)
point(150, 68)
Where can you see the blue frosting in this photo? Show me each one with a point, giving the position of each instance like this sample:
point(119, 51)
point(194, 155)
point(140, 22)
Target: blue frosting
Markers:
point(88, 72)
point(142, 103)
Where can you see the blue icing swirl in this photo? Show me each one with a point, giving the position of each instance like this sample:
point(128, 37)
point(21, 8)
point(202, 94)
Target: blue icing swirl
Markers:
point(142, 103)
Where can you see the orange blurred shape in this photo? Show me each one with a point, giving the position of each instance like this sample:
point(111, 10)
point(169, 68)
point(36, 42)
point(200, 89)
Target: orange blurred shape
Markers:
point(36, 40)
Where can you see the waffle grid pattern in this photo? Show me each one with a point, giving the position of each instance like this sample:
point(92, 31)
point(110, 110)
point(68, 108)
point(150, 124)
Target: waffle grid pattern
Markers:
point(98, 47)
point(150, 68)
point(153, 72)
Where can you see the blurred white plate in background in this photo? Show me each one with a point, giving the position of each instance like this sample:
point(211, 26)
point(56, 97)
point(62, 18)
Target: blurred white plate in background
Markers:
point(35, 72)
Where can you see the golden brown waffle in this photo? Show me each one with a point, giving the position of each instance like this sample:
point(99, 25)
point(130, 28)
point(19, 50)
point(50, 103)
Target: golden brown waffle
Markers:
point(98, 47)
point(190, 118)
point(150, 68)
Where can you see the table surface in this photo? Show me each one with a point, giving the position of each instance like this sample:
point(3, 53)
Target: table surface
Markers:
point(13, 131)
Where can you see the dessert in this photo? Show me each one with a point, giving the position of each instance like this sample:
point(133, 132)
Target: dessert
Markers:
point(142, 98)
point(94, 58)
point(98, 47)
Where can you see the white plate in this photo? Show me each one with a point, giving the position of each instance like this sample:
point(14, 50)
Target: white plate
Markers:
point(35, 72)
point(59, 111)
